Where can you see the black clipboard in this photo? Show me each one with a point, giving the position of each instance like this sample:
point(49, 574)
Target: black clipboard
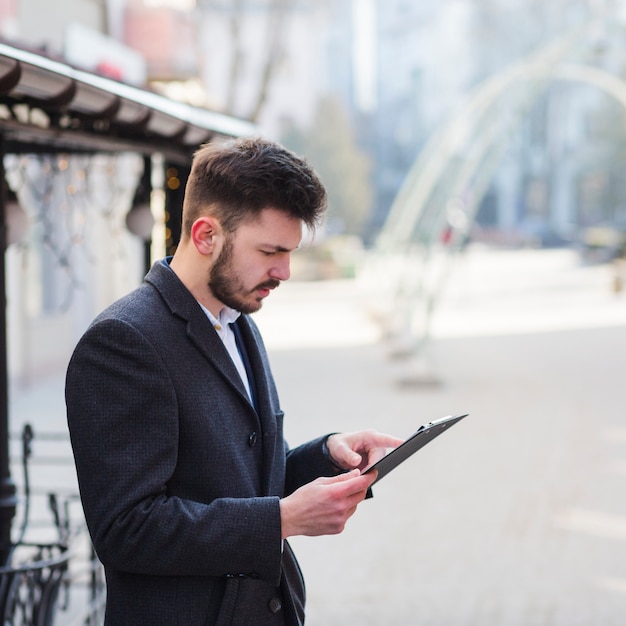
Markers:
point(417, 440)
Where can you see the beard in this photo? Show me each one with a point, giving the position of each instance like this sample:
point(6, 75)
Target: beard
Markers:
point(229, 288)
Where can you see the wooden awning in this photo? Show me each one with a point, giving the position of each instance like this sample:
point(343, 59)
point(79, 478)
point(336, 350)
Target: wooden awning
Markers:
point(49, 106)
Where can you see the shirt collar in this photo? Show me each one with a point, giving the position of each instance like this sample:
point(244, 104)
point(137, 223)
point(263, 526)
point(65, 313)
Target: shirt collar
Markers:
point(226, 316)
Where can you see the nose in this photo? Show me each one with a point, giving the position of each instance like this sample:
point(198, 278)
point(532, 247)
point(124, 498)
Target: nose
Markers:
point(281, 270)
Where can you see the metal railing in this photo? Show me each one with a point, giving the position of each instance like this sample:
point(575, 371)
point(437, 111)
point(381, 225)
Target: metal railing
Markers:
point(58, 580)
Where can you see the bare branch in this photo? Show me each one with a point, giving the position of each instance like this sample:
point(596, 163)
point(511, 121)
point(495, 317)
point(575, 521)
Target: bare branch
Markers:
point(276, 28)
point(237, 54)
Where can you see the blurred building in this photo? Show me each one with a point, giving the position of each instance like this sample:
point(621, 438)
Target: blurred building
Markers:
point(560, 167)
point(267, 61)
point(165, 37)
point(74, 247)
point(71, 253)
point(423, 71)
point(400, 69)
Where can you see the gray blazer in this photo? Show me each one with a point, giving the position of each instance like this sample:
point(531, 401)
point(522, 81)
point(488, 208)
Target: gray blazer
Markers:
point(180, 476)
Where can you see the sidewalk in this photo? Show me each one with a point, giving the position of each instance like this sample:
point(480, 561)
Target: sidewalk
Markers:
point(513, 518)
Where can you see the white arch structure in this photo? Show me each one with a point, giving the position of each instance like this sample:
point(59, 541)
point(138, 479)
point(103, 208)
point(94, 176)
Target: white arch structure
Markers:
point(449, 179)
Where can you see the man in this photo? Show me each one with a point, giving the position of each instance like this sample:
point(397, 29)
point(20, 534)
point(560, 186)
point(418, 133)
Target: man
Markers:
point(188, 487)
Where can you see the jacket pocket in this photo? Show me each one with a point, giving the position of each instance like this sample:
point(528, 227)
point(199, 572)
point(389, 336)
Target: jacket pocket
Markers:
point(229, 603)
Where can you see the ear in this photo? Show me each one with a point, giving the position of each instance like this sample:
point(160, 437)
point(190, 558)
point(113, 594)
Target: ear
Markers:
point(205, 232)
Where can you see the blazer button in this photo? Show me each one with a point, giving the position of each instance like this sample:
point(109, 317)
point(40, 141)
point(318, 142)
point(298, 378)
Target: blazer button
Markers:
point(252, 439)
point(275, 605)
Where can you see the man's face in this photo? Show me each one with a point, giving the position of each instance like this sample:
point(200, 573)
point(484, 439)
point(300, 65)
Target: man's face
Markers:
point(254, 259)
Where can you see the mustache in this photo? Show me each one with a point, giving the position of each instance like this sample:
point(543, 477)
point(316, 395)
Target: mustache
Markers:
point(268, 284)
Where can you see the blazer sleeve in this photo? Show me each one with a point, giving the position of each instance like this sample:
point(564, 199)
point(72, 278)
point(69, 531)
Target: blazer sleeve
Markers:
point(308, 462)
point(122, 416)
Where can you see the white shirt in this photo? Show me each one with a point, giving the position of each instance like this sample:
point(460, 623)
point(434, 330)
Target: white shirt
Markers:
point(222, 326)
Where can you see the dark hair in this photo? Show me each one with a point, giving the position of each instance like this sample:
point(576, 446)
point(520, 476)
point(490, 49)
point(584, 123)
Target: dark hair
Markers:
point(237, 179)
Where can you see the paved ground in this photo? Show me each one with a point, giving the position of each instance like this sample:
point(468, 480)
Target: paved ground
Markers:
point(517, 516)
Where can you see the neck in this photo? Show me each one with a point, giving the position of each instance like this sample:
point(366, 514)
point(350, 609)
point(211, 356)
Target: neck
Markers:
point(194, 275)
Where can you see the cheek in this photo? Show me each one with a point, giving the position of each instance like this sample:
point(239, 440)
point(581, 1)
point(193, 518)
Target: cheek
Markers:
point(253, 272)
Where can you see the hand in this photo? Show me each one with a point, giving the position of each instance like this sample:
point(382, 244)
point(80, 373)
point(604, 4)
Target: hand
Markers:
point(361, 449)
point(323, 507)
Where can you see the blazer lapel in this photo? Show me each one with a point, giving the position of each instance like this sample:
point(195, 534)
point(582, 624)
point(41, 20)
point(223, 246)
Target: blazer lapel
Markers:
point(206, 339)
point(271, 423)
point(199, 329)
point(243, 353)
point(257, 366)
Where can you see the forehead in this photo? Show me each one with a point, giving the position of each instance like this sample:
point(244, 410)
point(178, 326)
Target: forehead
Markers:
point(272, 227)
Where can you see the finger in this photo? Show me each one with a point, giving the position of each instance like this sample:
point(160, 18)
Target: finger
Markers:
point(345, 456)
point(376, 455)
point(371, 476)
point(385, 441)
point(329, 480)
point(359, 485)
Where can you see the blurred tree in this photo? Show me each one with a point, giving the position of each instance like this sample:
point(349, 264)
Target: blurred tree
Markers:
point(331, 148)
point(275, 26)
